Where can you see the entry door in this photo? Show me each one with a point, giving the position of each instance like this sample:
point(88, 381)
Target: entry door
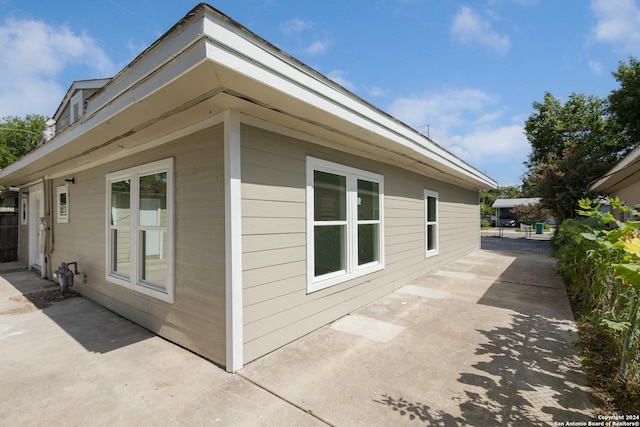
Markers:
point(36, 228)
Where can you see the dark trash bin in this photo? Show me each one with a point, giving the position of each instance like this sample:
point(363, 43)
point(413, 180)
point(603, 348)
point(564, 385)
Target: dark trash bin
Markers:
point(539, 227)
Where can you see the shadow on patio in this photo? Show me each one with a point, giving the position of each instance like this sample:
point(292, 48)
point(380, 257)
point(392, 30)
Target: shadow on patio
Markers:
point(531, 366)
point(94, 327)
point(521, 367)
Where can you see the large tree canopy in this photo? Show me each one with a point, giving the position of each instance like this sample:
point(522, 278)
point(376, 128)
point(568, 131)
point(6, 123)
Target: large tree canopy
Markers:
point(572, 144)
point(575, 142)
point(624, 103)
point(18, 136)
point(580, 123)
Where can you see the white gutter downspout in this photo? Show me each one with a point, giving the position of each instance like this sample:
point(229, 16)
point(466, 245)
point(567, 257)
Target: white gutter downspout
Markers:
point(233, 241)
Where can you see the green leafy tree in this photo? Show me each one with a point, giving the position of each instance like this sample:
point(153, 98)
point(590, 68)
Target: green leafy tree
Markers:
point(624, 103)
point(531, 213)
point(561, 183)
point(572, 144)
point(18, 136)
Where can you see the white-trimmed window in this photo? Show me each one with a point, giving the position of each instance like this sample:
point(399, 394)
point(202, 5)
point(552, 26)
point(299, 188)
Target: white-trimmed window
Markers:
point(431, 223)
point(140, 229)
point(344, 223)
point(24, 209)
point(62, 203)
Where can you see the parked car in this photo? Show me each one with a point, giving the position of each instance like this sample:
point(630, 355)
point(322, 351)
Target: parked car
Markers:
point(507, 222)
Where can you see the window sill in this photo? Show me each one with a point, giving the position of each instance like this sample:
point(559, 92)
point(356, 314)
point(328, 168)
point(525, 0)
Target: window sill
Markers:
point(155, 293)
point(332, 279)
point(430, 254)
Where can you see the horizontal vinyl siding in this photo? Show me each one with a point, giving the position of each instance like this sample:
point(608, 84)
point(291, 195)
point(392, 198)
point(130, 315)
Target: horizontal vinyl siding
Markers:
point(629, 195)
point(196, 319)
point(277, 307)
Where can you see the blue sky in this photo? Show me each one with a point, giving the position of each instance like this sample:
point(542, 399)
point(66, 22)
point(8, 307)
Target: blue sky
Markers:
point(465, 72)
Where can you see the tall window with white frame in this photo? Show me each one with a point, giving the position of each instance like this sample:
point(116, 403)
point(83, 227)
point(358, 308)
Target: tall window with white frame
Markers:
point(140, 229)
point(344, 223)
point(431, 222)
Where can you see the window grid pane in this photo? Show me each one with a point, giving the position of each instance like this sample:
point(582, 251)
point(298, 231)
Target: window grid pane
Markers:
point(121, 257)
point(431, 237)
point(329, 249)
point(154, 260)
point(431, 209)
point(367, 243)
point(368, 200)
point(330, 196)
point(120, 203)
point(63, 204)
point(153, 200)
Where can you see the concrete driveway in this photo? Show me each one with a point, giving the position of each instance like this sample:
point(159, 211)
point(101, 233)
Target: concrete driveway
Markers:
point(486, 341)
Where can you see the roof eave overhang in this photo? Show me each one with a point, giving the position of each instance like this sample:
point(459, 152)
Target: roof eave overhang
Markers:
point(619, 175)
point(244, 66)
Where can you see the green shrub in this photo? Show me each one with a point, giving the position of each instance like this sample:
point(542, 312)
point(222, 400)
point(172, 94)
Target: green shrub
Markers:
point(599, 259)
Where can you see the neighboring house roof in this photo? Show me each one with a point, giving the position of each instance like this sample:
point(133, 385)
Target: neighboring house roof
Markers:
point(619, 176)
point(509, 203)
point(208, 64)
point(75, 87)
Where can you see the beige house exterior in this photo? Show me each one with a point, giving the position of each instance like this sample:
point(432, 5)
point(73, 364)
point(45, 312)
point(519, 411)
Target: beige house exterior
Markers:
point(622, 181)
point(231, 199)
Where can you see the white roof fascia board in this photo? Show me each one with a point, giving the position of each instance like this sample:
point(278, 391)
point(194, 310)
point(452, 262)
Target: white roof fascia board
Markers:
point(165, 50)
point(171, 70)
point(248, 54)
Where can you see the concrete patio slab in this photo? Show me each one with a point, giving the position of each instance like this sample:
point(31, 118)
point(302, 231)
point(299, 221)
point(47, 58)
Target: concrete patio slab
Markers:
point(75, 363)
point(496, 350)
point(487, 340)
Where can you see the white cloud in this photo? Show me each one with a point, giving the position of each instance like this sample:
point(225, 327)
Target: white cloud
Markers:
point(338, 77)
point(34, 55)
point(300, 31)
point(318, 47)
point(596, 66)
point(470, 123)
point(377, 91)
point(444, 111)
point(618, 23)
point(295, 25)
point(501, 141)
point(469, 28)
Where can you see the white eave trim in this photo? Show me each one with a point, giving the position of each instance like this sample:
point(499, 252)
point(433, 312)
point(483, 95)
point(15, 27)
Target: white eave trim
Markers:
point(116, 105)
point(627, 161)
point(234, 47)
